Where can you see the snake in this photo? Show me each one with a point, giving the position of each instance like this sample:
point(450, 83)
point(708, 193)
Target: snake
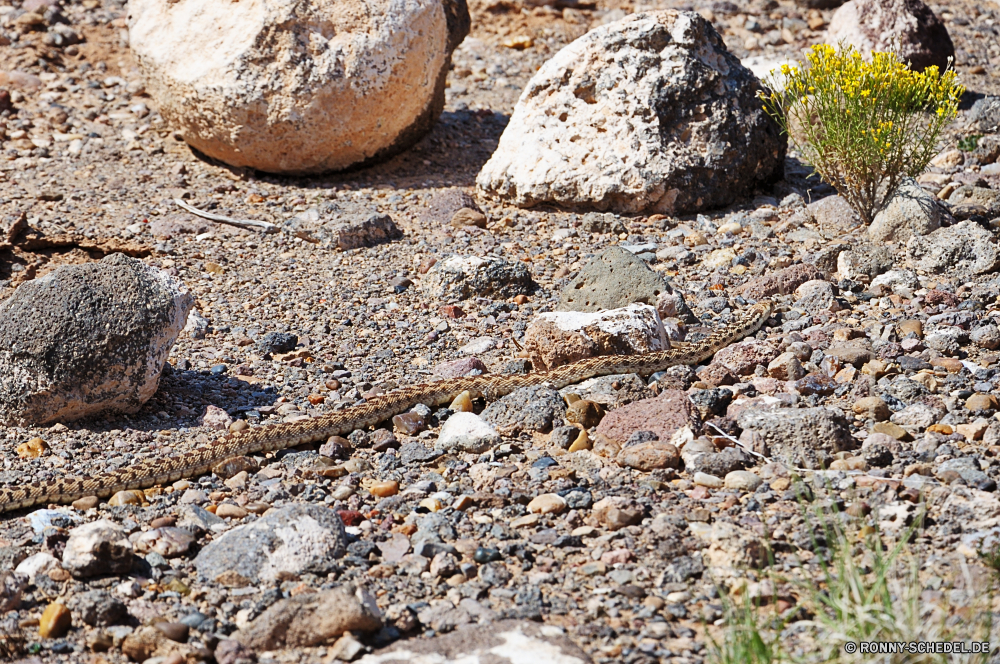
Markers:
point(272, 437)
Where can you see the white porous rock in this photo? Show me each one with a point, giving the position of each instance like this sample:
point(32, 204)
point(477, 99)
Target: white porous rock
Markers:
point(561, 337)
point(911, 211)
point(297, 86)
point(467, 432)
point(97, 548)
point(648, 113)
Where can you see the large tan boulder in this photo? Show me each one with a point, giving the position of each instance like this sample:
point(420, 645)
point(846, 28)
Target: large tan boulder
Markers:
point(297, 86)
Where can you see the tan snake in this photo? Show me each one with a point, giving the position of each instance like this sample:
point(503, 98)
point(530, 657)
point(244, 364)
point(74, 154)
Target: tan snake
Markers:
point(259, 440)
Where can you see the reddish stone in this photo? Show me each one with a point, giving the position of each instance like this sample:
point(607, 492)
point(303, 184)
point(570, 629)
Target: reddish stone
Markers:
point(717, 375)
point(699, 493)
point(743, 357)
point(935, 296)
point(814, 384)
point(663, 415)
point(350, 517)
point(451, 311)
point(467, 366)
point(782, 282)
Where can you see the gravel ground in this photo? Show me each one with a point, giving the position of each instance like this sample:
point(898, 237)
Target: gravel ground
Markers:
point(87, 159)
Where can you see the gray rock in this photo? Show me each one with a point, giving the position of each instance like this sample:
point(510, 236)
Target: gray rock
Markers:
point(911, 211)
point(826, 258)
point(231, 651)
point(797, 437)
point(662, 118)
point(535, 408)
point(815, 296)
point(832, 212)
point(444, 203)
point(345, 231)
point(312, 619)
point(97, 548)
point(960, 250)
point(198, 520)
point(292, 540)
point(503, 642)
point(467, 432)
point(97, 608)
point(987, 336)
point(414, 452)
point(894, 281)
point(12, 587)
point(462, 277)
point(88, 338)
point(967, 195)
point(908, 27)
point(863, 262)
point(966, 467)
point(916, 417)
point(612, 391)
point(719, 464)
point(984, 116)
point(602, 222)
point(613, 279)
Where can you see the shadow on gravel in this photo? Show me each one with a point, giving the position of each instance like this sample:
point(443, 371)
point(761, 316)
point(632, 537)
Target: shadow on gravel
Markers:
point(452, 154)
point(182, 398)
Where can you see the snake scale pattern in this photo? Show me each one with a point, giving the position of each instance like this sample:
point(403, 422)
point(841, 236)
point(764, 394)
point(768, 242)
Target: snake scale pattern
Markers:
point(259, 440)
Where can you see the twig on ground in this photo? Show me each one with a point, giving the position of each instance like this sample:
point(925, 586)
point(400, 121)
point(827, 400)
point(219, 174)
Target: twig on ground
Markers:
point(265, 226)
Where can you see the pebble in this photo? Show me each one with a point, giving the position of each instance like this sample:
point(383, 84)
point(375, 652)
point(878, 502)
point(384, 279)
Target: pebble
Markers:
point(742, 480)
point(86, 503)
point(584, 412)
point(649, 456)
point(127, 498)
point(175, 631)
point(706, 480)
point(230, 511)
point(547, 503)
point(55, 621)
point(872, 408)
point(978, 402)
point(384, 489)
point(32, 449)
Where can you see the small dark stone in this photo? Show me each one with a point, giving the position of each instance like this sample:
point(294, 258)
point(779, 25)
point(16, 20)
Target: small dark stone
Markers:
point(544, 536)
point(912, 364)
point(278, 342)
point(409, 424)
point(544, 462)
point(519, 365)
point(175, 631)
point(640, 437)
point(563, 437)
point(336, 447)
point(194, 619)
point(414, 452)
point(359, 438)
point(568, 541)
point(218, 369)
point(987, 485)
point(579, 499)
point(400, 284)
point(485, 555)
point(383, 439)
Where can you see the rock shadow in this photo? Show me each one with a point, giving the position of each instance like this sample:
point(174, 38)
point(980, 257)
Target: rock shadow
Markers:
point(451, 154)
point(182, 398)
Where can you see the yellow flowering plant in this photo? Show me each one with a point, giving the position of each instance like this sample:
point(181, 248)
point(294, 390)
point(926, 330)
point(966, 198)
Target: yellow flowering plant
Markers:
point(862, 124)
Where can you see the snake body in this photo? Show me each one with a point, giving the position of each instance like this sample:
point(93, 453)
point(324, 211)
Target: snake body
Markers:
point(259, 440)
